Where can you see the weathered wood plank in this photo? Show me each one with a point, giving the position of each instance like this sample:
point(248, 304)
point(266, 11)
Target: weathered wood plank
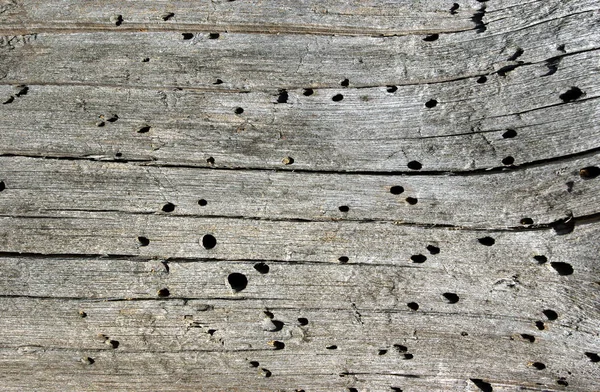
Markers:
point(544, 194)
point(384, 132)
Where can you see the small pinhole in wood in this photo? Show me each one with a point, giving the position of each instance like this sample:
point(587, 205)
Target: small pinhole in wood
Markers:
point(145, 59)
point(593, 357)
point(562, 268)
point(589, 172)
point(210, 160)
point(509, 134)
point(343, 259)
point(169, 207)
point(391, 89)
point(482, 385)
point(562, 381)
point(352, 390)
point(434, 250)
point(431, 37)
point(571, 94)
point(117, 20)
point(408, 356)
point(82, 314)
point(211, 332)
point(400, 348)
point(144, 241)
point(262, 268)
point(487, 241)
point(144, 129)
point(287, 160)
point(463, 333)
point(345, 83)
point(452, 298)
point(540, 259)
point(254, 364)
point(540, 325)
point(550, 314)
point(269, 314)
point(332, 347)
point(2, 186)
point(396, 389)
point(214, 36)
point(382, 352)
point(237, 281)
point(344, 208)
point(482, 79)
point(88, 360)
point(413, 306)
point(167, 15)
point(302, 321)
point(454, 9)
point(308, 92)
point(283, 96)
point(277, 345)
point(337, 98)
point(187, 36)
point(396, 190)
point(529, 338)
point(202, 202)
point(518, 53)
point(527, 221)
point(209, 241)
point(266, 372)
point(412, 200)
point(119, 155)
point(113, 118)
point(239, 110)
point(163, 293)
point(508, 161)
point(431, 103)
point(218, 81)
point(418, 258)
point(538, 365)
point(414, 165)
point(112, 343)
point(100, 124)
point(9, 100)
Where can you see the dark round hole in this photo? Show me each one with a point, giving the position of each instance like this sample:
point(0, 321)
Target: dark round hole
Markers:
point(382, 352)
point(262, 268)
point(413, 305)
point(302, 321)
point(487, 241)
point(434, 250)
point(163, 292)
point(237, 281)
point(337, 97)
point(213, 36)
point(562, 381)
point(345, 83)
point(278, 345)
point(509, 134)
point(538, 365)
point(392, 89)
point(396, 190)
point(308, 92)
point(343, 259)
point(408, 356)
point(411, 200)
point(2, 186)
point(593, 356)
point(562, 268)
point(209, 241)
point(169, 207)
point(418, 258)
point(431, 103)
point(451, 297)
point(144, 129)
point(431, 37)
point(540, 259)
point(540, 325)
point(119, 154)
point(143, 241)
point(332, 347)
point(218, 81)
point(113, 343)
point(414, 165)
point(239, 110)
point(187, 36)
point(527, 221)
point(210, 160)
point(482, 79)
point(344, 208)
point(589, 172)
point(254, 364)
point(283, 96)
point(508, 161)
point(550, 314)
point(202, 202)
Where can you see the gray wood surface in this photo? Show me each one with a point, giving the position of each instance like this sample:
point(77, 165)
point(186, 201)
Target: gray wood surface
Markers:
point(379, 195)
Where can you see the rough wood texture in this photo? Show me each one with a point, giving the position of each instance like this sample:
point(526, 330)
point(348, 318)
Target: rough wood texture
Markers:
point(299, 195)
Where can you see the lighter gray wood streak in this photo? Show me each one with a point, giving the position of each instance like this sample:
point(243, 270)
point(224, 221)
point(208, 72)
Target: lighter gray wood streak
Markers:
point(464, 132)
point(268, 62)
point(44, 187)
